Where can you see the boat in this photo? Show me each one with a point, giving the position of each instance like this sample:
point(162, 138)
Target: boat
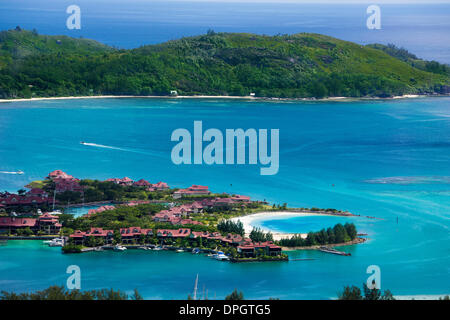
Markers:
point(196, 251)
point(179, 250)
point(20, 172)
point(119, 248)
point(220, 256)
point(56, 242)
point(144, 248)
point(157, 248)
point(333, 251)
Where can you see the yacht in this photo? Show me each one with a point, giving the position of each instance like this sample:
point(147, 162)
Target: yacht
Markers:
point(56, 242)
point(220, 256)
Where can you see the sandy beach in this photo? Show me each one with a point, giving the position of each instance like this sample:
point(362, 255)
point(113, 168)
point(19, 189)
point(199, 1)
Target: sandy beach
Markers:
point(213, 97)
point(248, 221)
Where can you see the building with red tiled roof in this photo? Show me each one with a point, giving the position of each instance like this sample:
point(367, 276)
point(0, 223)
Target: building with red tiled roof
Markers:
point(124, 181)
point(142, 183)
point(59, 174)
point(132, 234)
point(173, 233)
point(46, 223)
point(194, 190)
point(79, 237)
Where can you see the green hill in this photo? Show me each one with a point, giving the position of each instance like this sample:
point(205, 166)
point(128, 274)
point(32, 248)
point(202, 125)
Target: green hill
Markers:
point(299, 65)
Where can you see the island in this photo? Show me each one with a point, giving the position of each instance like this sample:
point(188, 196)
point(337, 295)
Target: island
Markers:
point(143, 215)
point(297, 66)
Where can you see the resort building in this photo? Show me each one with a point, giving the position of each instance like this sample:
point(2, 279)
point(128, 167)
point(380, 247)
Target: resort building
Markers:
point(79, 237)
point(194, 190)
point(58, 174)
point(33, 197)
point(160, 186)
point(133, 234)
point(142, 183)
point(46, 224)
point(124, 181)
point(250, 249)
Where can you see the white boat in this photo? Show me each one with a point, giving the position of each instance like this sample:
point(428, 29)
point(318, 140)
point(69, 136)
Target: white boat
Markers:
point(220, 256)
point(180, 250)
point(20, 172)
point(56, 242)
point(144, 248)
point(119, 248)
point(157, 248)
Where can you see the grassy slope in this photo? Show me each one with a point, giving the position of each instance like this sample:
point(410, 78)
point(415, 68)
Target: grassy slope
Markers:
point(298, 65)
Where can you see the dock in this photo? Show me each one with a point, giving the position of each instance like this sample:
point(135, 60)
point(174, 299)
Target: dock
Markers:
point(334, 251)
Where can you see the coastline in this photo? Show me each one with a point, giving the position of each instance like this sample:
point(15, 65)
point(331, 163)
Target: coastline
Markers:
point(343, 99)
point(248, 220)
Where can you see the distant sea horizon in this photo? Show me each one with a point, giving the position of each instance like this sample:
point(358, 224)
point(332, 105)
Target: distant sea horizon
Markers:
point(420, 28)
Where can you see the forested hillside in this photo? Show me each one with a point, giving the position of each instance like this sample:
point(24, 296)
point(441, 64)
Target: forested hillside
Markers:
point(299, 65)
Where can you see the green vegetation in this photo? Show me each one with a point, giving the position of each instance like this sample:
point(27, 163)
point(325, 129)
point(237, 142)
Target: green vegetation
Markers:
point(354, 293)
point(295, 66)
point(71, 248)
point(228, 226)
point(257, 235)
point(411, 59)
point(235, 295)
point(338, 234)
point(60, 293)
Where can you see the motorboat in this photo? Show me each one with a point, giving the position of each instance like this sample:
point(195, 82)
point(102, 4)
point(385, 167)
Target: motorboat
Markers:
point(196, 251)
point(119, 248)
point(180, 250)
point(56, 242)
point(220, 256)
point(157, 248)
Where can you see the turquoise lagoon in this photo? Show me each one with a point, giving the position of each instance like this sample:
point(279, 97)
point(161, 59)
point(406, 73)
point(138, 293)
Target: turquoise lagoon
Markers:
point(385, 158)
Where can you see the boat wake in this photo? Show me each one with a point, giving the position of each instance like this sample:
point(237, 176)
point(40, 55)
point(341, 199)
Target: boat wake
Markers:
point(101, 146)
point(145, 152)
point(12, 172)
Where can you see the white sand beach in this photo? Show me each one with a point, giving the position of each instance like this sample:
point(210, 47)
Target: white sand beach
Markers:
point(249, 222)
point(214, 97)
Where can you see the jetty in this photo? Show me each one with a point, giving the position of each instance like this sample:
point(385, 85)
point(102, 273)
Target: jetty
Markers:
point(333, 251)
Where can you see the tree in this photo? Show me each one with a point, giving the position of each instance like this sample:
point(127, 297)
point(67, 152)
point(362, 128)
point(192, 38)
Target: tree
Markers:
point(350, 293)
point(371, 294)
point(235, 295)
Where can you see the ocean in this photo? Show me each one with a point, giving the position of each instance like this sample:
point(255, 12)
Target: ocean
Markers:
point(420, 28)
point(384, 158)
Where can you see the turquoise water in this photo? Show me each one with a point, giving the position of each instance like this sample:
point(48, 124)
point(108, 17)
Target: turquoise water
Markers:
point(82, 210)
point(302, 224)
point(386, 159)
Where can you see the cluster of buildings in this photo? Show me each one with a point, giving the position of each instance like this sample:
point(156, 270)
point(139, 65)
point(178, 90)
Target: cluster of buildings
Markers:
point(46, 224)
point(193, 190)
point(160, 186)
point(244, 246)
point(65, 182)
point(35, 196)
point(179, 214)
